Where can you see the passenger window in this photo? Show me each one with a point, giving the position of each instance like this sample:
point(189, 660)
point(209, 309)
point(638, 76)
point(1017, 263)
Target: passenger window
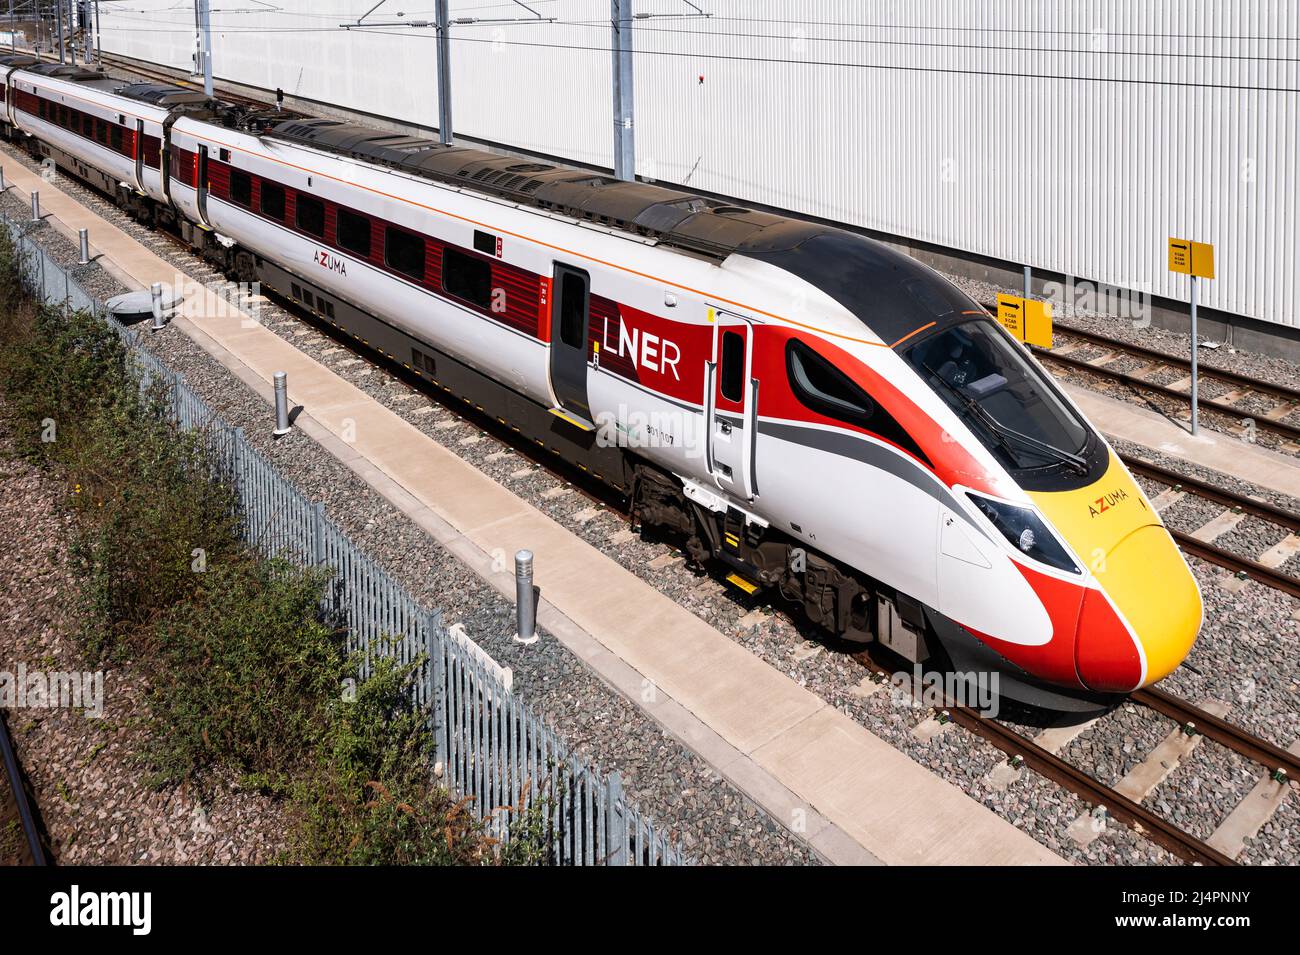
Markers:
point(115, 137)
point(573, 309)
point(466, 277)
point(404, 252)
point(272, 200)
point(353, 232)
point(311, 215)
point(732, 372)
point(824, 388)
point(241, 187)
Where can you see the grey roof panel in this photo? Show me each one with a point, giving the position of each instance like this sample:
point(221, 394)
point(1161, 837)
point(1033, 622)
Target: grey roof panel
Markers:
point(673, 217)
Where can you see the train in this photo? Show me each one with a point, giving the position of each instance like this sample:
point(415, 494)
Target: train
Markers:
point(814, 412)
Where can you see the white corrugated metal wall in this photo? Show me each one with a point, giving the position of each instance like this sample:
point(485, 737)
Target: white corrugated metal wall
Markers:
point(1073, 137)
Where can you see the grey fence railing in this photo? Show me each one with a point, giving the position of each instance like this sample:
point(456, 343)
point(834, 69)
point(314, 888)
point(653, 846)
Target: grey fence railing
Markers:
point(488, 745)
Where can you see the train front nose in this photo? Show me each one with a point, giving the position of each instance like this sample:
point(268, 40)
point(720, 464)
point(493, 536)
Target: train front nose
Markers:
point(1143, 621)
point(1141, 610)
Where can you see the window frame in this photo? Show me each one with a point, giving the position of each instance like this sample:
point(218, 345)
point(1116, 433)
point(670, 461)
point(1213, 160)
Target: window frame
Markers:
point(727, 361)
point(451, 254)
point(392, 230)
point(342, 215)
point(272, 188)
point(305, 200)
point(240, 175)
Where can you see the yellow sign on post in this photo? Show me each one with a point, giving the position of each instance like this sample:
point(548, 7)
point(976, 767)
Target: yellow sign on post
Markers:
point(1029, 320)
point(1197, 260)
point(1191, 258)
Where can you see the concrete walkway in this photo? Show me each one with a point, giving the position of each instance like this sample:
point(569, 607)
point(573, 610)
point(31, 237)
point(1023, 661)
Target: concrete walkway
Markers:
point(851, 795)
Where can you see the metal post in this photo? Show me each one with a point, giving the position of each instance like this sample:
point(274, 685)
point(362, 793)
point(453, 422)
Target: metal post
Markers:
point(99, 48)
point(282, 425)
point(1195, 377)
point(4, 186)
point(444, 71)
point(615, 843)
point(36, 205)
point(437, 699)
point(205, 33)
point(1028, 280)
point(72, 31)
point(621, 50)
point(155, 296)
point(525, 599)
point(83, 240)
point(58, 7)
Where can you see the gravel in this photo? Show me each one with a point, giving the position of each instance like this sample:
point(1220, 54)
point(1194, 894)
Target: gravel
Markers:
point(83, 770)
point(1249, 632)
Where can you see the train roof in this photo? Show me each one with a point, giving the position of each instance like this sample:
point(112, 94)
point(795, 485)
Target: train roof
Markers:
point(72, 74)
point(162, 94)
point(689, 222)
point(888, 291)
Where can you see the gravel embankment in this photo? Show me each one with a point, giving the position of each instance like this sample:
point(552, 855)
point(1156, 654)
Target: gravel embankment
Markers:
point(86, 779)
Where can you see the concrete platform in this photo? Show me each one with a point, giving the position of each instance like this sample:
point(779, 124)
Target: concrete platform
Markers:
point(851, 795)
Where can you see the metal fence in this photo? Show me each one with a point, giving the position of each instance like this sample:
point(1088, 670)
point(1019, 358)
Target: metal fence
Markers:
point(488, 745)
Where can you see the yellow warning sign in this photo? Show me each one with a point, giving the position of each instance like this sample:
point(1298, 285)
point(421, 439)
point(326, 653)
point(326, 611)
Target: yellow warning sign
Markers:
point(1029, 320)
point(1191, 258)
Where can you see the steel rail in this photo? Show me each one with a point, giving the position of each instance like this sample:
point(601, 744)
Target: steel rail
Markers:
point(1283, 392)
point(1234, 562)
point(1221, 731)
point(26, 815)
point(1269, 512)
point(1132, 814)
point(1266, 424)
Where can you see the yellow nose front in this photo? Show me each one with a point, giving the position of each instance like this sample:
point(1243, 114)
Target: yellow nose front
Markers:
point(1114, 530)
point(1151, 585)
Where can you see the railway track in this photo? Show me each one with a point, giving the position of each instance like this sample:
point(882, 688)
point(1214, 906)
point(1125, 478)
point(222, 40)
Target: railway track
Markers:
point(1264, 568)
point(1286, 400)
point(126, 66)
point(20, 832)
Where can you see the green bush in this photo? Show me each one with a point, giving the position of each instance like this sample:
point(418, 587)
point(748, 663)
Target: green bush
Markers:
point(149, 514)
point(368, 798)
point(244, 679)
point(242, 673)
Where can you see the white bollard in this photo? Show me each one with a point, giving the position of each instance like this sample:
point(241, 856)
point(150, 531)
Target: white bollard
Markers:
point(155, 294)
point(83, 239)
point(36, 205)
point(282, 425)
point(525, 599)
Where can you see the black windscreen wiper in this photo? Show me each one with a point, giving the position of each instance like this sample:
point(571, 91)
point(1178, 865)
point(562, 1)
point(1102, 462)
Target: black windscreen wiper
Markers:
point(1004, 435)
point(1065, 457)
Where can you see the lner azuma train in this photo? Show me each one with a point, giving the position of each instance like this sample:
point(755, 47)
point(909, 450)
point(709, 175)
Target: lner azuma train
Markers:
point(822, 414)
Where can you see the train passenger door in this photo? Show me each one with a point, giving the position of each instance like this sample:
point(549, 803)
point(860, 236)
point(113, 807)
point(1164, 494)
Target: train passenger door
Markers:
point(732, 406)
point(570, 300)
point(139, 154)
point(201, 187)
